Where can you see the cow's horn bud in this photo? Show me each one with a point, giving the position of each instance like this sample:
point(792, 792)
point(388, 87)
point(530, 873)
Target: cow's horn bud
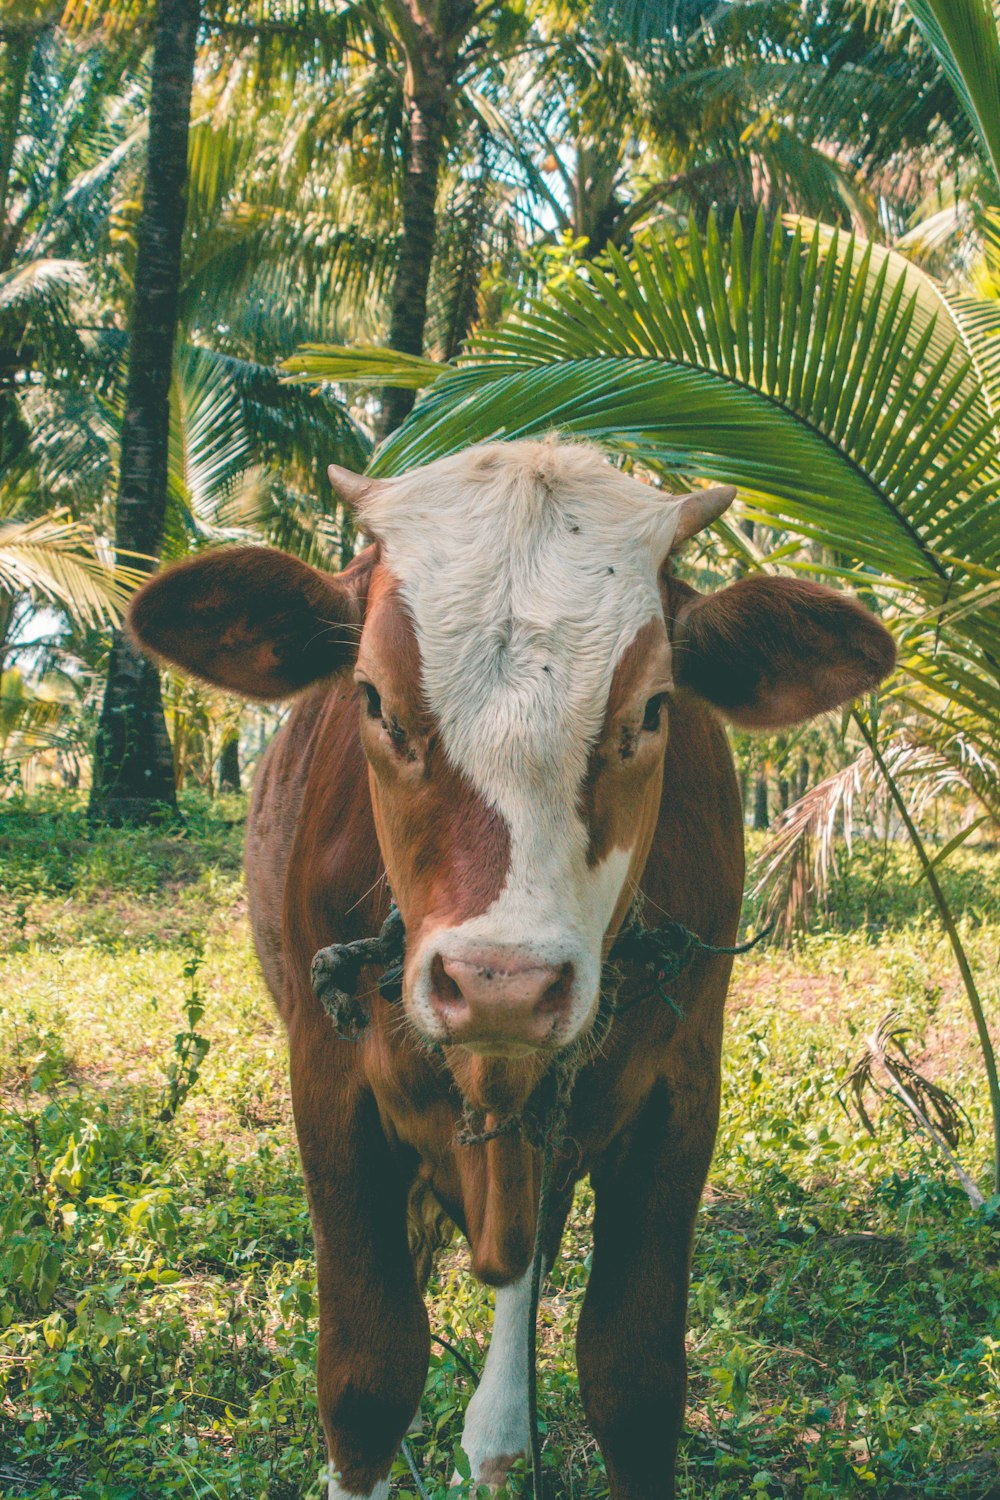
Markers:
point(700, 508)
point(353, 489)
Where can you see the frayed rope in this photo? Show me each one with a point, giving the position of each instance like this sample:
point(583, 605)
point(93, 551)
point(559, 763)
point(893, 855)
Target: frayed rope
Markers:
point(663, 952)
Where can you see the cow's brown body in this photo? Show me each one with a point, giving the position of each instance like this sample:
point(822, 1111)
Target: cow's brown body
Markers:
point(374, 1115)
point(530, 741)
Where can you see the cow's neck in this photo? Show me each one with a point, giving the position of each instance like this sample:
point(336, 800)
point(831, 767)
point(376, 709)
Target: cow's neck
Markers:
point(499, 1193)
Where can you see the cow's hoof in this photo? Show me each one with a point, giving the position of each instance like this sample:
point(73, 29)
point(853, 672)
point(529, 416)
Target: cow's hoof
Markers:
point(336, 1491)
point(490, 1471)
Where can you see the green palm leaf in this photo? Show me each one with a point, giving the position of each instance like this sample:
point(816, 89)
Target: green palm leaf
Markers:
point(372, 365)
point(670, 415)
point(963, 36)
point(845, 393)
point(790, 364)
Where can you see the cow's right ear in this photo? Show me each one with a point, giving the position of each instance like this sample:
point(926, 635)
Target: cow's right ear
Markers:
point(251, 620)
point(770, 651)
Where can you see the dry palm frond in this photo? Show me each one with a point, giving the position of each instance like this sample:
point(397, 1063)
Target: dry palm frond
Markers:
point(801, 856)
point(795, 867)
point(950, 763)
point(884, 1070)
point(885, 1058)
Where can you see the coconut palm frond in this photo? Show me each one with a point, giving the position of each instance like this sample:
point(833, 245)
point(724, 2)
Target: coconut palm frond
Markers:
point(343, 364)
point(24, 287)
point(208, 446)
point(31, 725)
point(55, 558)
point(960, 327)
point(301, 429)
point(795, 867)
point(293, 429)
point(963, 36)
point(36, 322)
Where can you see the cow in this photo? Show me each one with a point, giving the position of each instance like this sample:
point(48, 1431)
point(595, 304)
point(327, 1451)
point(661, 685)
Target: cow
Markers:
point(507, 719)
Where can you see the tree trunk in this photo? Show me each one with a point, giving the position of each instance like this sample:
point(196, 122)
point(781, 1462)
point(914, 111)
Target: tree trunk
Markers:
point(229, 765)
point(133, 766)
point(760, 817)
point(427, 110)
point(16, 47)
point(7, 602)
point(803, 785)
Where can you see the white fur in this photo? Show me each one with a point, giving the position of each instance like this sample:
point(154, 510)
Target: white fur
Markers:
point(336, 1491)
point(528, 568)
point(496, 1420)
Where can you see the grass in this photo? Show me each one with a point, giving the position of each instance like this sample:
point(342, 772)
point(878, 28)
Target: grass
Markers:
point(157, 1307)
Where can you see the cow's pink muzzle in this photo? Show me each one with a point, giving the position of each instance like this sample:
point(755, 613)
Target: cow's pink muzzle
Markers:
point(490, 998)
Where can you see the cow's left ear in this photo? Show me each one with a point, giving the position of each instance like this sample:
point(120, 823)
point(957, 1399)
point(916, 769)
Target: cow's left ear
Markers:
point(771, 651)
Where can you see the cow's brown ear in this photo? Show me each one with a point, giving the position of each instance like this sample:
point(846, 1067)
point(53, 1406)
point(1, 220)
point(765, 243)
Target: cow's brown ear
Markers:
point(771, 651)
point(251, 620)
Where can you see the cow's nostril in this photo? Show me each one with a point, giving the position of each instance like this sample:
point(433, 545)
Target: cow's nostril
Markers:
point(555, 998)
point(446, 991)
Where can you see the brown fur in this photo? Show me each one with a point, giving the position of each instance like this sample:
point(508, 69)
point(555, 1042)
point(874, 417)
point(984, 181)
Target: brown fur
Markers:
point(449, 852)
point(376, 1120)
point(623, 782)
point(293, 624)
point(772, 651)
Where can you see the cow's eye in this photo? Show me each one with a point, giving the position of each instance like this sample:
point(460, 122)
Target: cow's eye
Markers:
point(654, 712)
point(373, 701)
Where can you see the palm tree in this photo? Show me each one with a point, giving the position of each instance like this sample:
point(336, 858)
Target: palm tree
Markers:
point(69, 126)
point(133, 766)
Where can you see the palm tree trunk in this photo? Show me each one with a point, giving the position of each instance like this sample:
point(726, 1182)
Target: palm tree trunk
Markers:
point(16, 47)
point(760, 813)
point(229, 764)
point(428, 112)
point(133, 765)
point(431, 38)
point(7, 602)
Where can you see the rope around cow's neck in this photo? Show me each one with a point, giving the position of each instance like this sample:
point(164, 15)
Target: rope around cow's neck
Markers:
point(663, 952)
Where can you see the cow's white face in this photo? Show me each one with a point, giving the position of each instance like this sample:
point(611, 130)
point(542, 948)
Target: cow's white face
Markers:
point(515, 679)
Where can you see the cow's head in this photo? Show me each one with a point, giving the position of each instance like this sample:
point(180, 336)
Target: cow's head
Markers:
point(515, 673)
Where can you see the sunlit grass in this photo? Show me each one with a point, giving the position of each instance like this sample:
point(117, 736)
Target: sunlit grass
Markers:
point(157, 1310)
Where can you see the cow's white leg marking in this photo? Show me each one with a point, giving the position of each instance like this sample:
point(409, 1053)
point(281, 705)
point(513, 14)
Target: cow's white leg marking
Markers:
point(336, 1491)
point(496, 1421)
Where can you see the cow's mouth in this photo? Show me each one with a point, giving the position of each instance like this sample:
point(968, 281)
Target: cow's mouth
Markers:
point(501, 1051)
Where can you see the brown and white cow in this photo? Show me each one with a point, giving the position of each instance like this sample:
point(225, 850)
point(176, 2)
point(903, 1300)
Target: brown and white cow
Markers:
point(531, 736)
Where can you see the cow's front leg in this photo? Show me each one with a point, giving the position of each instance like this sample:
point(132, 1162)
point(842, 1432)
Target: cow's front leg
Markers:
point(374, 1342)
point(630, 1342)
point(496, 1420)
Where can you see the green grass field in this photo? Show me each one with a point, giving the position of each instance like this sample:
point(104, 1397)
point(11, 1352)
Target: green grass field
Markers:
point(157, 1309)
